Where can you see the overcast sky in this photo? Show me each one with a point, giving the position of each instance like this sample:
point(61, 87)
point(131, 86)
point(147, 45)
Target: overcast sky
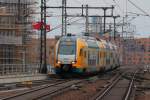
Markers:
point(142, 22)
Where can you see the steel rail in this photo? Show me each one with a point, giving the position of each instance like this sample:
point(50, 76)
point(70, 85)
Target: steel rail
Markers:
point(100, 95)
point(59, 90)
point(33, 90)
point(127, 95)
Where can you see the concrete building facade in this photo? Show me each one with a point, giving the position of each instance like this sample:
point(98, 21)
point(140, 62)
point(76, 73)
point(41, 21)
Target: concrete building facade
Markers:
point(15, 31)
point(137, 51)
point(35, 51)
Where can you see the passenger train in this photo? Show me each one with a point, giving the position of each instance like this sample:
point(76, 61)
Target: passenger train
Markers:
point(84, 54)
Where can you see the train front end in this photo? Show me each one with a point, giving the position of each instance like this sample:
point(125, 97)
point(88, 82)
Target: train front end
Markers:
point(65, 54)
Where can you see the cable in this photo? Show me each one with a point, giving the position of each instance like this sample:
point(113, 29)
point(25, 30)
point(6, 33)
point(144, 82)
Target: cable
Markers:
point(139, 8)
point(59, 26)
point(118, 6)
point(132, 19)
point(138, 14)
point(75, 21)
point(108, 4)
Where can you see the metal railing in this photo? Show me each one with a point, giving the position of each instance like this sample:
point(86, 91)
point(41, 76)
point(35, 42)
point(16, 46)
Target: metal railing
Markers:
point(15, 69)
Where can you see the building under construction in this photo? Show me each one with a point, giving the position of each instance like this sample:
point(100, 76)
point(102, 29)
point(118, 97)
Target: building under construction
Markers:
point(15, 32)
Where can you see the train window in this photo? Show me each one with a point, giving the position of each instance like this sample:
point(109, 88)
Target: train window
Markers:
point(100, 54)
point(104, 54)
point(110, 54)
point(67, 48)
point(98, 58)
point(81, 52)
point(92, 58)
point(85, 54)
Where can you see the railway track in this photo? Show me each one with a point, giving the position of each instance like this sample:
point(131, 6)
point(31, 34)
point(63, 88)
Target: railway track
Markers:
point(51, 90)
point(64, 87)
point(119, 89)
point(44, 91)
point(129, 90)
point(26, 84)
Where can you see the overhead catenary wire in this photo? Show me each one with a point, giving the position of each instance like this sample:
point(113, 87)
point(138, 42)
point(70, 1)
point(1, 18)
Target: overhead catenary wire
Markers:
point(137, 14)
point(59, 26)
point(139, 8)
point(109, 4)
point(121, 10)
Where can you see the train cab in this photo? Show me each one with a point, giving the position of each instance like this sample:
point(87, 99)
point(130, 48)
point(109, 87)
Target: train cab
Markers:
point(66, 53)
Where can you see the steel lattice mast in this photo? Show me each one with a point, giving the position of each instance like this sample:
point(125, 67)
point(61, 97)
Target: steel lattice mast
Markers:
point(43, 62)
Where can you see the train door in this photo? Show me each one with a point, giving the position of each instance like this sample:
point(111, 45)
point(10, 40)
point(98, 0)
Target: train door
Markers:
point(92, 60)
point(104, 58)
point(85, 58)
point(111, 59)
point(115, 59)
point(97, 59)
point(107, 59)
point(101, 59)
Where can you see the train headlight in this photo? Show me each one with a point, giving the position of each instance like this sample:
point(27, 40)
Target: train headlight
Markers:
point(58, 62)
point(73, 62)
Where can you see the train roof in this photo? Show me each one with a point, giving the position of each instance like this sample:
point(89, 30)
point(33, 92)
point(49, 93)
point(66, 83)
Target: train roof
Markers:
point(72, 38)
point(91, 41)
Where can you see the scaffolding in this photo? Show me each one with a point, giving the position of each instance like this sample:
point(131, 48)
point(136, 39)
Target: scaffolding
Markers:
point(15, 32)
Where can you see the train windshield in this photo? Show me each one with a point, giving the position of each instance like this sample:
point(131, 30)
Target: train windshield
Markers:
point(67, 48)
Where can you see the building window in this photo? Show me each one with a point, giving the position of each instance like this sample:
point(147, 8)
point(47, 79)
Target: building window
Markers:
point(7, 55)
